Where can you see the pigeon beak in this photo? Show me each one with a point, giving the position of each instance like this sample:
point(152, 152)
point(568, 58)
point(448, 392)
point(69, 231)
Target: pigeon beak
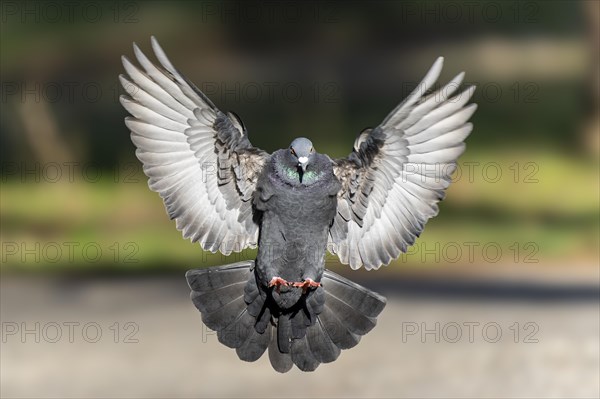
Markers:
point(303, 163)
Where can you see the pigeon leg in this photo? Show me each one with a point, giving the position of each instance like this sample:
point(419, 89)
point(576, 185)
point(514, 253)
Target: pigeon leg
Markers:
point(306, 284)
point(277, 282)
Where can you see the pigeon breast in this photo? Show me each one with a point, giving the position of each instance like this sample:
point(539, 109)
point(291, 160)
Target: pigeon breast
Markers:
point(295, 222)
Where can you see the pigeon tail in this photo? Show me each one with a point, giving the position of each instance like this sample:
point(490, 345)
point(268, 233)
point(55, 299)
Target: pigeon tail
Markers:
point(245, 316)
point(228, 299)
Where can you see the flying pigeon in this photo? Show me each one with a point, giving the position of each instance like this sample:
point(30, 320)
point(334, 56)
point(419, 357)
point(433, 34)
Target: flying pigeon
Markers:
point(295, 205)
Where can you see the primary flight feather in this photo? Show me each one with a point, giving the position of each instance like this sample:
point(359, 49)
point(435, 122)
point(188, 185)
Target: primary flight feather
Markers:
point(295, 205)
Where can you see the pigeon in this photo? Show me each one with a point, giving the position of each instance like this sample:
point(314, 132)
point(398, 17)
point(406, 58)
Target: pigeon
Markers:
point(295, 205)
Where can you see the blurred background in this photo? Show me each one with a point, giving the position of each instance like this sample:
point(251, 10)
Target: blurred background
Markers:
point(499, 297)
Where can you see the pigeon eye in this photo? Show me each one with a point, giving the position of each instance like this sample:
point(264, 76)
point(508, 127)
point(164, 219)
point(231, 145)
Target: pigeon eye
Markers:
point(292, 151)
point(311, 149)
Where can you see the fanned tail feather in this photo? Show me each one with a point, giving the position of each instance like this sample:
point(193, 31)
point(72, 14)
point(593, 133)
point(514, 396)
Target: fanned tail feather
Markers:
point(334, 317)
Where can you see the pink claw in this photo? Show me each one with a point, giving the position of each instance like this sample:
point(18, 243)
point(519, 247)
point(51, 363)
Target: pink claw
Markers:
point(277, 282)
point(306, 284)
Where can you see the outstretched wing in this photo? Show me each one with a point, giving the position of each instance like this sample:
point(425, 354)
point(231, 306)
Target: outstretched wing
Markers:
point(196, 157)
point(397, 173)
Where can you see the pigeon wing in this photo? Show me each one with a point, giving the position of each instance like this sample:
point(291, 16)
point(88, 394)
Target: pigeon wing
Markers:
point(397, 173)
point(196, 157)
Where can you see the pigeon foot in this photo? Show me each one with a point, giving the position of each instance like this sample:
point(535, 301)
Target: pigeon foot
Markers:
point(277, 282)
point(306, 284)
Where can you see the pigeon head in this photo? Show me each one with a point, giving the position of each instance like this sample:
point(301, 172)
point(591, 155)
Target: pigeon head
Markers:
point(301, 153)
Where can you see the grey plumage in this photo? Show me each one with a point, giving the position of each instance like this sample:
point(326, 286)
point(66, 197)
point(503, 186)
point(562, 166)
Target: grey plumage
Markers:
point(294, 204)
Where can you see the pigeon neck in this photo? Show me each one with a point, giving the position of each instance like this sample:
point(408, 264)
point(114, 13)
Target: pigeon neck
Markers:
point(291, 174)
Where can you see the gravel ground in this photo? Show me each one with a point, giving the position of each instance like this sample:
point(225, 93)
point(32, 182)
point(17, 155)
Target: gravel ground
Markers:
point(428, 343)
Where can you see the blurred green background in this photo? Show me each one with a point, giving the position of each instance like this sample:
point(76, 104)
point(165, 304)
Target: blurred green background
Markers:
point(528, 182)
point(524, 207)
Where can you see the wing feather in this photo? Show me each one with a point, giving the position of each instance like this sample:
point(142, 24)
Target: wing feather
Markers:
point(398, 172)
point(197, 158)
